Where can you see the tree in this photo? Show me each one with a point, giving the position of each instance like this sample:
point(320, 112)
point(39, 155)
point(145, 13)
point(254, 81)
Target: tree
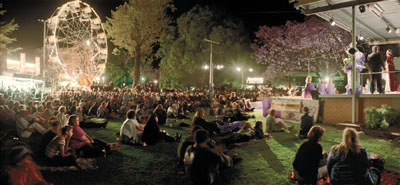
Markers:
point(5, 30)
point(183, 50)
point(136, 26)
point(300, 47)
point(117, 68)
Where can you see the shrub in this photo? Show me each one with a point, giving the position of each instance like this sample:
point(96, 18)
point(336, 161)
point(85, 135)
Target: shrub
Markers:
point(381, 117)
point(374, 118)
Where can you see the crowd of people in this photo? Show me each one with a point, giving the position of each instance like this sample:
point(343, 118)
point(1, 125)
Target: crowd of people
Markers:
point(60, 120)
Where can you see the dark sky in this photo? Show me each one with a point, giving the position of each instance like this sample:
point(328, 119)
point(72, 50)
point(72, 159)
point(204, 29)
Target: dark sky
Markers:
point(30, 33)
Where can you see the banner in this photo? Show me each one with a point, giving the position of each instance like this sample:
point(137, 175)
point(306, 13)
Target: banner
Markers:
point(288, 105)
point(290, 108)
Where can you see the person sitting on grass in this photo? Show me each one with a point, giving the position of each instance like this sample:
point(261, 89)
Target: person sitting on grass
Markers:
point(253, 133)
point(131, 129)
point(310, 164)
point(189, 140)
point(48, 136)
point(202, 163)
point(24, 128)
point(162, 114)
point(62, 116)
point(199, 120)
point(305, 124)
point(348, 162)
point(57, 151)
point(84, 144)
point(152, 134)
point(274, 125)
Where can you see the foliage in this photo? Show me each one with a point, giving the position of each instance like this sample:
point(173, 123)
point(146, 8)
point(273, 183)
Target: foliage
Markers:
point(296, 46)
point(391, 116)
point(136, 27)
point(5, 30)
point(382, 117)
point(183, 50)
point(118, 69)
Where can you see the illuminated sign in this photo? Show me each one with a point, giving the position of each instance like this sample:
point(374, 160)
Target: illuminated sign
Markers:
point(255, 80)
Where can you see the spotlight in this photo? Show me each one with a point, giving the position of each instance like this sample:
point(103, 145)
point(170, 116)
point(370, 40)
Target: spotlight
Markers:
point(398, 31)
point(332, 22)
point(361, 37)
point(388, 29)
point(362, 8)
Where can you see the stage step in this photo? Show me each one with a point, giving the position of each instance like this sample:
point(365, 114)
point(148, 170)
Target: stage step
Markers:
point(342, 126)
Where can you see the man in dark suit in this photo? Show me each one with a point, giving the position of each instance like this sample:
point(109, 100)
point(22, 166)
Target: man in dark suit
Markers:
point(375, 64)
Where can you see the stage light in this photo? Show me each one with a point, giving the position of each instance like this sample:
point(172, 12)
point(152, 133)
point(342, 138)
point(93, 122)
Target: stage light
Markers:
point(362, 8)
point(361, 37)
point(155, 81)
point(398, 31)
point(206, 67)
point(332, 22)
point(327, 79)
point(251, 70)
point(88, 42)
point(388, 29)
point(238, 69)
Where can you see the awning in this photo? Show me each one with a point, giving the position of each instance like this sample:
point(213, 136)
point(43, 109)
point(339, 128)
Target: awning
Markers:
point(373, 24)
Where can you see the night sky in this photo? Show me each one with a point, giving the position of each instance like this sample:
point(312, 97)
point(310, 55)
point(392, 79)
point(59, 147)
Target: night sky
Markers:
point(29, 36)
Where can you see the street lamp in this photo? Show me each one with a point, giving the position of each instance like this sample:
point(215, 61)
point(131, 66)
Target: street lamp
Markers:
point(211, 68)
point(205, 67)
point(238, 69)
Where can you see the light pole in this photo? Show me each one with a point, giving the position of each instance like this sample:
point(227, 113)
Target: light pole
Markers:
point(44, 48)
point(211, 68)
point(240, 70)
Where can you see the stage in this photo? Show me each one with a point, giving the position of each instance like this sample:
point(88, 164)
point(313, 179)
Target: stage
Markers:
point(331, 109)
point(337, 108)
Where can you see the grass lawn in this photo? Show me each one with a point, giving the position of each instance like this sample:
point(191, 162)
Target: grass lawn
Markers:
point(264, 162)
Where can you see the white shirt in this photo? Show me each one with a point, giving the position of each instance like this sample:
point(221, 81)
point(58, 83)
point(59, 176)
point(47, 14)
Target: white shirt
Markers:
point(128, 128)
point(63, 119)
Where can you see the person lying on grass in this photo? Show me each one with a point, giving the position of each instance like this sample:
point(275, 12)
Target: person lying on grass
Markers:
point(310, 163)
point(198, 119)
point(84, 144)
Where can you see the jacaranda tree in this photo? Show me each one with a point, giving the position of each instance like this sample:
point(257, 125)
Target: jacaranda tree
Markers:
point(312, 45)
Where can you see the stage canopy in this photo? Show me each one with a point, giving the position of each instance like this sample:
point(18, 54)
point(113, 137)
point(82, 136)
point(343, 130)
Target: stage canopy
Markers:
point(373, 24)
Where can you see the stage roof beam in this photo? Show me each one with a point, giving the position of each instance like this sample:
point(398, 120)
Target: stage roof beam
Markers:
point(336, 6)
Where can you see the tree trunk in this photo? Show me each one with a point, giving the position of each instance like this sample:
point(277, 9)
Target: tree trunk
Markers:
point(136, 70)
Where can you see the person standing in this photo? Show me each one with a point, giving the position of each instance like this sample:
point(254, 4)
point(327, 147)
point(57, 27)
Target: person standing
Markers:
point(321, 86)
point(309, 87)
point(392, 80)
point(375, 65)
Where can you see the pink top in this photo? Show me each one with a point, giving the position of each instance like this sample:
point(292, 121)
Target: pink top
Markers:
point(78, 133)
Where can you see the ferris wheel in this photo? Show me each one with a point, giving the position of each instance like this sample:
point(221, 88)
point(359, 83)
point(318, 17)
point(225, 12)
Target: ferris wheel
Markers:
point(77, 41)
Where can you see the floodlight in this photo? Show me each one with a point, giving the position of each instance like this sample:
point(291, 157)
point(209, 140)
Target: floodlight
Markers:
point(332, 22)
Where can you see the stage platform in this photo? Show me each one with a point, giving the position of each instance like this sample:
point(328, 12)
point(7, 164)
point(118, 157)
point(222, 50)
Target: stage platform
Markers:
point(337, 108)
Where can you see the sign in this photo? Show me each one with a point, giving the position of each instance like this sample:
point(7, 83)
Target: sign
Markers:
point(286, 105)
point(255, 80)
point(290, 108)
